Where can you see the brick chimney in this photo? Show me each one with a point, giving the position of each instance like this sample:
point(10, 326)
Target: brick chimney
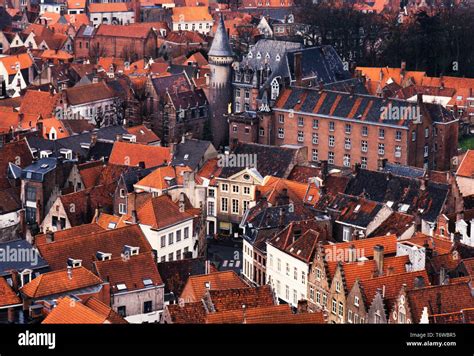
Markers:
point(378, 258)
point(297, 68)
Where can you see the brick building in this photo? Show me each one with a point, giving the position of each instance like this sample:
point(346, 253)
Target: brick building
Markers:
point(349, 128)
point(129, 42)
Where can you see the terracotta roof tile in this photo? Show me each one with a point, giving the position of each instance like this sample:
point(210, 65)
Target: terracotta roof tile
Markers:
point(191, 13)
point(85, 247)
point(9, 62)
point(39, 102)
point(58, 282)
point(70, 311)
point(159, 212)
point(439, 245)
point(231, 299)
point(163, 178)
point(85, 229)
point(7, 295)
point(88, 93)
point(189, 313)
point(466, 168)
point(131, 154)
point(197, 286)
point(440, 299)
point(109, 7)
point(143, 134)
point(132, 271)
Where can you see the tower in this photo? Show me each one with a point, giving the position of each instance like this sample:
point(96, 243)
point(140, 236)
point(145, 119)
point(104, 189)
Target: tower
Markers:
point(220, 92)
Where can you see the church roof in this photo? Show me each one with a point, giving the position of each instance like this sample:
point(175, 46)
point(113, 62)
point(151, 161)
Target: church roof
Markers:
point(220, 44)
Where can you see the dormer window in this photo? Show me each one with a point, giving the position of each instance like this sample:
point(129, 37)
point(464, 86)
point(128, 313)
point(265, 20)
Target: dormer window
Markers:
point(103, 256)
point(259, 55)
point(25, 276)
point(131, 250)
point(74, 263)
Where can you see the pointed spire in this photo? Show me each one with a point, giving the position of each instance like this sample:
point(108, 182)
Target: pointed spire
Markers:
point(220, 44)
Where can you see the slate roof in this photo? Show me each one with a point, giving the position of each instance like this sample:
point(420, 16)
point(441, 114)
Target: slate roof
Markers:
point(354, 210)
point(359, 107)
point(36, 262)
point(263, 221)
point(319, 63)
point(190, 153)
point(403, 171)
point(220, 44)
point(37, 170)
point(176, 273)
point(266, 163)
point(172, 83)
point(384, 187)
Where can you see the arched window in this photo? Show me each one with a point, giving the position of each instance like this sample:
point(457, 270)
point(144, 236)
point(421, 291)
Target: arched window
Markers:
point(275, 89)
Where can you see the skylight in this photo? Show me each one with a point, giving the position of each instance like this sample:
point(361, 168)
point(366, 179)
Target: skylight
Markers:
point(121, 286)
point(147, 282)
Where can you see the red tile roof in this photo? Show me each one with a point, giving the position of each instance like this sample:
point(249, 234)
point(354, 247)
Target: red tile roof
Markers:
point(109, 7)
point(439, 245)
point(123, 31)
point(39, 103)
point(132, 271)
point(189, 313)
point(231, 299)
point(160, 212)
point(163, 178)
point(196, 286)
point(10, 62)
point(88, 93)
point(274, 187)
point(191, 14)
point(85, 247)
point(143, 134)
point(85, 229)
point(7, 295)
point(466, 168)
point(440, 299)
point(58, 282)
point(89, 311)
point(131, 154)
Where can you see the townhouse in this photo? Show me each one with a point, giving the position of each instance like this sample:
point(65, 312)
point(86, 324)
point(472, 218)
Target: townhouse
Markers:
point(168, 227)
point(17, 72)
point(290, 253)
point(242, 171)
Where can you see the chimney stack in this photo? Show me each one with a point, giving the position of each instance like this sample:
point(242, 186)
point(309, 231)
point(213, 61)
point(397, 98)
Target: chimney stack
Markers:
point(181, 202)
point(297, 68)
point(378, 258)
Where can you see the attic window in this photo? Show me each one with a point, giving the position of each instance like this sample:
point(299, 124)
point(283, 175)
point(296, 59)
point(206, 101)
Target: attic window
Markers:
point(277, 57)
point(390, 203)
point(299, 251)
point(357, 208)
point(186, 157)
point(207, 285)
point(121, 286)
point(250, 55)
point(259, 55)
point(131, 250)
point(147, 282)
point(74, 263)
point(404, 208)
point(111, 225)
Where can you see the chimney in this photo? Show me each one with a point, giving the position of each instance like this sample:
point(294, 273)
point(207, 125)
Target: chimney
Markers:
point(297, 68)
point(181, 202)
point(419, 98)
point(443, 276)
point(352, 254)
point(93, 139)
point(403, 66)
point(302, 306)
point(134, 217)
point(378, 258)
point(419, 282)
point(118, 137)
point(49, 236)
point(141, 164)
point(282, 217)
point(324, 171)
point(69, 272)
